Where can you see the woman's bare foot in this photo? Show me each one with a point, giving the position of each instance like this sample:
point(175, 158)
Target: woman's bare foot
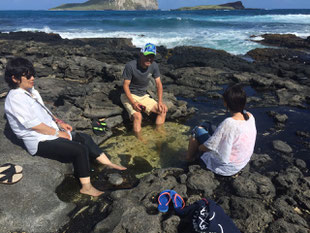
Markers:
point(90, 190)
point(115, 166)
point(103, 159)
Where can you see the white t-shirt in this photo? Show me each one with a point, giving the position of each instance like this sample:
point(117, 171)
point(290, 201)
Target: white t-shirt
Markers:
point(231, 145)
point(24, 112)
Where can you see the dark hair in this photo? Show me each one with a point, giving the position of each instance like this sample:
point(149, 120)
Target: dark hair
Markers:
point(17, 67)
point(235, 98)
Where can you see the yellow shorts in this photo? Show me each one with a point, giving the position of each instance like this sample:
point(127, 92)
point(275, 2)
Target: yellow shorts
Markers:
point(145, 100)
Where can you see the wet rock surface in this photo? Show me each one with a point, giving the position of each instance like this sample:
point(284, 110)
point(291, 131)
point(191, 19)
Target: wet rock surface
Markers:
point(81, 79)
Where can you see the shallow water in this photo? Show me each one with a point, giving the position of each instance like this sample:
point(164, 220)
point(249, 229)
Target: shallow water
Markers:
point(157, 150)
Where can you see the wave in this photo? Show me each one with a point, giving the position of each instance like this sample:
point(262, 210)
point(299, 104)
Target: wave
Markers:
point(235, 42)
point(229, 31)
point(271, 18)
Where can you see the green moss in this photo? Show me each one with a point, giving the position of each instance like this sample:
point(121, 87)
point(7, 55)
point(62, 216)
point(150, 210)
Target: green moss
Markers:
point(157, 151)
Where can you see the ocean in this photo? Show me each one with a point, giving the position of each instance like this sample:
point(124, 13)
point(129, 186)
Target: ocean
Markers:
point(227, 30)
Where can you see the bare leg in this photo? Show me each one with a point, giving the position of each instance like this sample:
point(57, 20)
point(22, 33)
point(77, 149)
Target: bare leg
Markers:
point(137, 120)
point(160, 119)
point(88, 188)
point(161, 129)
point(161, 116)
point(192, 149)
point(103, 159)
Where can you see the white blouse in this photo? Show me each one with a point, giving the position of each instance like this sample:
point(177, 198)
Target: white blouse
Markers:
point(231, 145)
point(24, 112)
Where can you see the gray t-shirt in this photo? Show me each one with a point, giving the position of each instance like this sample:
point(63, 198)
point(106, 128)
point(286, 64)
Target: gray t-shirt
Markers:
point(139, 77)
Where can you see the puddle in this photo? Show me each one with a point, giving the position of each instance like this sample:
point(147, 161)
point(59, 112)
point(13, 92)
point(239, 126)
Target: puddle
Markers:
point(157, 151)
point(250, 91)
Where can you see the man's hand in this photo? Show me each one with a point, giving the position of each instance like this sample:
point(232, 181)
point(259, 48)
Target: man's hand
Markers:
point(65, 126)
point(136, 106)
point(63, 134)
point(161, 107)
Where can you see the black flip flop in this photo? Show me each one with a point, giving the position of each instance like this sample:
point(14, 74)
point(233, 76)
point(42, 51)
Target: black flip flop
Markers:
point(9, 175)
point(12, 168)
point(99, 128)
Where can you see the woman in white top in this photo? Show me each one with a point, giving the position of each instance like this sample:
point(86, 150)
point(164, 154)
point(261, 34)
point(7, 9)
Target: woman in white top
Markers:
point(231, 146)
point(32, 122)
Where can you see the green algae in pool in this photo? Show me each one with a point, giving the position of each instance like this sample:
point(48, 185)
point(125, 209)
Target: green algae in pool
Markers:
point(158, 150)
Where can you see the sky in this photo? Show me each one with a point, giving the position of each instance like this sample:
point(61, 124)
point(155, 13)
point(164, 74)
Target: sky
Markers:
point(163, 4)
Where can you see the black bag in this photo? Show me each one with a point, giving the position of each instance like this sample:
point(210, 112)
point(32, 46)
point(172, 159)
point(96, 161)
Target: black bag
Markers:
point(207, 216)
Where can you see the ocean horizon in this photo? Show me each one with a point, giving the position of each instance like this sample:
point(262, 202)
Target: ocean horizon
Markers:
point(227, 30)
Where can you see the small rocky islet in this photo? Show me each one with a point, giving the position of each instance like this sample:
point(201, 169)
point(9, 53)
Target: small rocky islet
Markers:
point(80, 79)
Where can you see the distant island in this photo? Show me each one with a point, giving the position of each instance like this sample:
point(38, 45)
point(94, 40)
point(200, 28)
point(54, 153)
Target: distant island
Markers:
point(93, 5)
point(228, 6)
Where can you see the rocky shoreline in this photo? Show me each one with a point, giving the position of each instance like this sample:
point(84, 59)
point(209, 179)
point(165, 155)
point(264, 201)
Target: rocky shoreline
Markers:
point(80, 79)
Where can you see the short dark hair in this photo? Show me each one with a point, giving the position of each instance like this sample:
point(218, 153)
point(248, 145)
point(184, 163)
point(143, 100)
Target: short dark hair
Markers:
point(17, 67)
point(235, 98)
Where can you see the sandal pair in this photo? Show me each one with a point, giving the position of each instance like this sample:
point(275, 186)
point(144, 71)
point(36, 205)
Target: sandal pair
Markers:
point(99, 126)
point(166, 196)
point(10, 173)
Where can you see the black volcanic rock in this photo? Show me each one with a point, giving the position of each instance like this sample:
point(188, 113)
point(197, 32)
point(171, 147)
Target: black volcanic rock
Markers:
point(189, 56)
point(31, 36)
point(271, 194)
point(285, 40)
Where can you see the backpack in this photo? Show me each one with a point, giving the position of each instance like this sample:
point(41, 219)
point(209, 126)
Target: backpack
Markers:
point(208, 217)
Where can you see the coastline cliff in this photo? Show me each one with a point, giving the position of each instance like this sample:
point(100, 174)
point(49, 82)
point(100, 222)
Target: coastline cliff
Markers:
point(228, 6)
point(110, 5)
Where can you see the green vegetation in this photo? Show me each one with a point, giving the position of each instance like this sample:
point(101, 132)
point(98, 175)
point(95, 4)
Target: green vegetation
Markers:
point(92, 5)
point(228, 6)
point(205, 7)
point(89, 5)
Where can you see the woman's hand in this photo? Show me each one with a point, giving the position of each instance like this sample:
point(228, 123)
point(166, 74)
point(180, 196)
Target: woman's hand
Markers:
point(65, 126)
point(63, 134)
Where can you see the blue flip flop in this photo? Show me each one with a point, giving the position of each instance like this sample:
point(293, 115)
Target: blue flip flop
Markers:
point(163, 201)
point(177, 200)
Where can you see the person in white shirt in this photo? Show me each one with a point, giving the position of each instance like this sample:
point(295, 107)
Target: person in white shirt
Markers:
point(42, 133)
point(231, 146)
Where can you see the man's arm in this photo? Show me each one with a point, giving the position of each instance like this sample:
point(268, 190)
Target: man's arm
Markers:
point(47, 130)
point(134, 104)
point(161, 106)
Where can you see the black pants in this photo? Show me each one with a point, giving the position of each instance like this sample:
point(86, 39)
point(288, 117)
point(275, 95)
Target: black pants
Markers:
point(78, 151)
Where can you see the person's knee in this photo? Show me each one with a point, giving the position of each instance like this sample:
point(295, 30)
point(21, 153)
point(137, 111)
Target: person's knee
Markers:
point(163, 111)
point(166, 108)
point(137, 117)
point(81, 152)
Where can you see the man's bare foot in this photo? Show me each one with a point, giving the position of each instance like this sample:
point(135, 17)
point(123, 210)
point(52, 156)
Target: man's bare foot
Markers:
point(115, 166)
point(140, 137)
point(161, 129)
point(90, 190)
